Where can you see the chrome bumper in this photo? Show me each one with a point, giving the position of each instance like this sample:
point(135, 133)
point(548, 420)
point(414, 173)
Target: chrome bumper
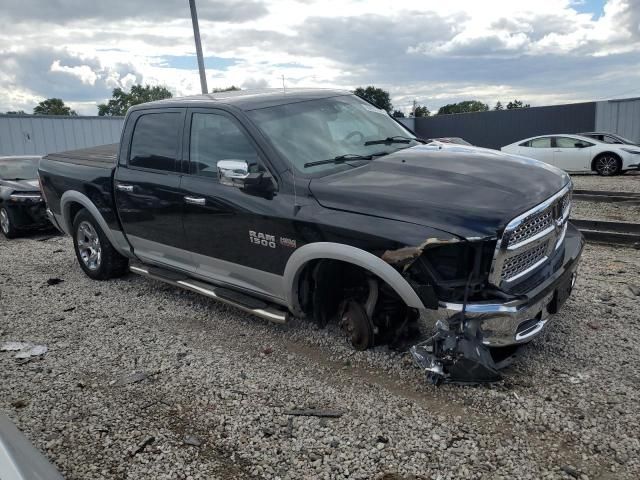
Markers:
point(521, 320)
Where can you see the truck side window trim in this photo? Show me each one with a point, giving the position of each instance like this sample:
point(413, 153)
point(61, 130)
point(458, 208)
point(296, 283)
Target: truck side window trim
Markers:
point(179, 134)
point(262, 162)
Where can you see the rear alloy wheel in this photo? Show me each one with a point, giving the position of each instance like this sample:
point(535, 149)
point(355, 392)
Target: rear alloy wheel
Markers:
point(89, 248)
point(607, 165)
point(97, 257)
point(6, 223)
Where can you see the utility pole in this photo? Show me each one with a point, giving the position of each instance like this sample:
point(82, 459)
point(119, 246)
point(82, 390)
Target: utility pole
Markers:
point(196, 36)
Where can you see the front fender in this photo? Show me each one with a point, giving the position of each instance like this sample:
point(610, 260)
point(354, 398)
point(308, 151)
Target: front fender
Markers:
point(347, 254)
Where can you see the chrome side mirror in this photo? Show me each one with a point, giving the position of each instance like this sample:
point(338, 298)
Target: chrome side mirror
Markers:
point(233, 173)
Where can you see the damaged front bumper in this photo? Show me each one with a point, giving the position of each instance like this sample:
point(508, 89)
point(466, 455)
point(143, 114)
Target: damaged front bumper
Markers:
point(459, 328)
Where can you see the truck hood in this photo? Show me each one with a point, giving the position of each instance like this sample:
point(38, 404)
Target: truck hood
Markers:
point(466, 191)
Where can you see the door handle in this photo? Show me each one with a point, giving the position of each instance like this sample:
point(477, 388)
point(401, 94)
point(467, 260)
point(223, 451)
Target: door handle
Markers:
point(124, 188)
point(195, 200)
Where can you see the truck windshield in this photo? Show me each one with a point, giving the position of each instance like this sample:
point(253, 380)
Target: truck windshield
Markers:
point(306, 133)
point(19, 168)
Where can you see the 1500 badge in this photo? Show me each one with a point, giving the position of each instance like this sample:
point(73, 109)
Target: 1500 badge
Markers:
point(265, 240)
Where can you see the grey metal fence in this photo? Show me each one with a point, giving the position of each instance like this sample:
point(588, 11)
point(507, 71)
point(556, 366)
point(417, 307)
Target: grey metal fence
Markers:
point(619, 116)
point(495, 129)
point(42, 134)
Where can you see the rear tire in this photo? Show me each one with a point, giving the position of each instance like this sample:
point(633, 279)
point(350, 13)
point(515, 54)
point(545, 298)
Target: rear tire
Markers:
point(96, 256)
point(607, 165)
point(7, 223)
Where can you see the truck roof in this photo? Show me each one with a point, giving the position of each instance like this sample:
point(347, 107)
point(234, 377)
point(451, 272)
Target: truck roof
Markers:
point(247, 99)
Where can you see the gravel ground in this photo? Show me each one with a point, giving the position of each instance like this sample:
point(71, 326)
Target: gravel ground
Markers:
point(619, 212)
point(616, 212)
point(629, 182)
point(210, 375)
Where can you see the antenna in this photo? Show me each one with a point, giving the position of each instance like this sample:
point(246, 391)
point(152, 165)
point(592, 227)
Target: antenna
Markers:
point(284, 90)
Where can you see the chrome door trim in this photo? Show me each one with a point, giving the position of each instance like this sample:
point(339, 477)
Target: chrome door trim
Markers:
point(195, 200)
point(211, 269)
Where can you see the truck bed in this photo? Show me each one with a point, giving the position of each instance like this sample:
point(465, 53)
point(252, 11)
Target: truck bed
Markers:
point(87, 172)
point(102, 156)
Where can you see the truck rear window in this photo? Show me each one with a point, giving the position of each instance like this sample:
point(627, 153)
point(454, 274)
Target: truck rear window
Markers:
point(155, 141)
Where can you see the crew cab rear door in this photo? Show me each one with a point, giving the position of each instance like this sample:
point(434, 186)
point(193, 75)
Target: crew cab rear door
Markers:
point(148, 195)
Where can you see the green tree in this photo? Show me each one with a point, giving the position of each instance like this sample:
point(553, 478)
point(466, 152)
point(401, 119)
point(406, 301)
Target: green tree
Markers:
point(463, 107)
point(398, 114)
point(121, 101)
point(499, 106)
point(232, 88)
point(53, 106)
point(17, 112)
point(421, 111)
point(377, 96)
point(517, 104)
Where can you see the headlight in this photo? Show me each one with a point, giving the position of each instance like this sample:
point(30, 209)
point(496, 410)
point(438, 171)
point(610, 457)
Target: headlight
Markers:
point(629, 150)
point(25, 197)
point(448, 267)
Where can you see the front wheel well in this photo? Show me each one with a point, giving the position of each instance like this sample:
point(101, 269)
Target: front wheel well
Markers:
point(328, 289)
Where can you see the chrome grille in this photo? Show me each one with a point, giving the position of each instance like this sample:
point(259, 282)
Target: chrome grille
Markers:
point(566, 202)
point(514, 266)
point(530, 239)
point(540, 221)
point(532, 227)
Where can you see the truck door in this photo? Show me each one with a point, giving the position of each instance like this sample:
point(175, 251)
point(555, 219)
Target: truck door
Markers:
point(233, 233)
point(147, 187)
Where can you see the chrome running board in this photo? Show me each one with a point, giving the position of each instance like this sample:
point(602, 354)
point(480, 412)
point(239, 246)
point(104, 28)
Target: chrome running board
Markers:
point(250, 305)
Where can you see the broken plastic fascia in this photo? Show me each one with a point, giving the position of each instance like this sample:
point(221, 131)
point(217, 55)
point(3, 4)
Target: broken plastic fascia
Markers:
point(405, 256)
point(429, 361)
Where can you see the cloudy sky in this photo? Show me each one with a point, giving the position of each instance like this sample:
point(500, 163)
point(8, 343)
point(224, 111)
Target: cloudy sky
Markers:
point(435, 51)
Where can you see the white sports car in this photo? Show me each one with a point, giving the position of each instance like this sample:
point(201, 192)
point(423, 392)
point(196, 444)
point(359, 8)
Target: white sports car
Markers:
point(575, 153)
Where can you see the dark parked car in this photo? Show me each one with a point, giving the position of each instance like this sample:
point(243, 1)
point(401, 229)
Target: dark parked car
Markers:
point(317, 204)
point(21, 205)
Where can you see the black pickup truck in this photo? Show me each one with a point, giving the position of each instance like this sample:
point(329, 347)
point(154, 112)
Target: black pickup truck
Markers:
point(317, 204)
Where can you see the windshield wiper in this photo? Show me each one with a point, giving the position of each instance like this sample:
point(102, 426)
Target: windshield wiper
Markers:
point(345, 158)
point(394, 139)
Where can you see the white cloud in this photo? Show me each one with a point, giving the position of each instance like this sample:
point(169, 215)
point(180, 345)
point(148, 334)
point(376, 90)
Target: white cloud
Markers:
point(83, 72)
point(542, 51)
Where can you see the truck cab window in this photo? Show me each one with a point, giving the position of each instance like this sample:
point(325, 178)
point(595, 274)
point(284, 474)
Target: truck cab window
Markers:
point(155, 141)
point(216, 137)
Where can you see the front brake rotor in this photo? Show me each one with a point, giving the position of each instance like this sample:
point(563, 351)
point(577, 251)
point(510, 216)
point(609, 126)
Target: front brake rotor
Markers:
point(355, 323)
